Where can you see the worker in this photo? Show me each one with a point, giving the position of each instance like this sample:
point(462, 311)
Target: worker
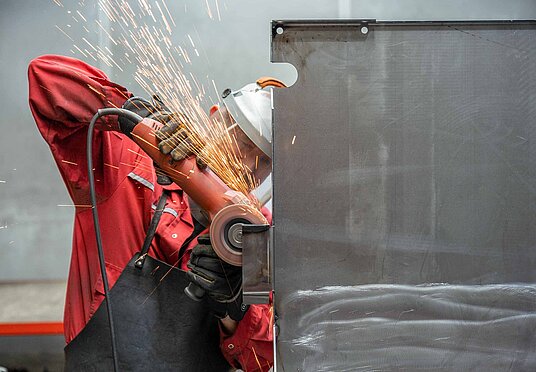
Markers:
point(64, 94)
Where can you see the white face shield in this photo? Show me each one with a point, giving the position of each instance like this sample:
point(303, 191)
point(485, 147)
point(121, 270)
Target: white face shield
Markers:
point(251, 109)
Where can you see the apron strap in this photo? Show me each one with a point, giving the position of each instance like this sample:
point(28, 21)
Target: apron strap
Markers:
point(152, 229)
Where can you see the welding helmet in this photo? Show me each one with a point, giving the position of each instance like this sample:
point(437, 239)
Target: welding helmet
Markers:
point(250, 108)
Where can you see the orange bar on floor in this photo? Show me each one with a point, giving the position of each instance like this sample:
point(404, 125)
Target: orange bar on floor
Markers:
point(31, 329)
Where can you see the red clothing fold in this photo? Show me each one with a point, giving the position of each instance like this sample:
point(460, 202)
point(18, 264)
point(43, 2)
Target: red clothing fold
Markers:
point(64, 94)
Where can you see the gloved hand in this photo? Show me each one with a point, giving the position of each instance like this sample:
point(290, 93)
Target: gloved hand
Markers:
point(178, 140)
point(175, 138)
point(155, 110)
point(221, 281)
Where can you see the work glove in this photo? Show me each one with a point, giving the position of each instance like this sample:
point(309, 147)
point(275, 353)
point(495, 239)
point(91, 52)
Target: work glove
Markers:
point(177, 139)
point(155, 110)
point(221, 281)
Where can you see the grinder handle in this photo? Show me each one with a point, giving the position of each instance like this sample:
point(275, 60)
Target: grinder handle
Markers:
point(267, 81)
point(194, 291)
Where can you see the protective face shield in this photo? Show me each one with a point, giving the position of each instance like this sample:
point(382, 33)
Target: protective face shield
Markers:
point(248, 113)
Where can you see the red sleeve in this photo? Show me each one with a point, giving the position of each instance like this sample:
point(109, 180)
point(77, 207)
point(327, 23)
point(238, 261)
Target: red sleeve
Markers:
point(70, 91)
point(64, 94)
point(251, 347)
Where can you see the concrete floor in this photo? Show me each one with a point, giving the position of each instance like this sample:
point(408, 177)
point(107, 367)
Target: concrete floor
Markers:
point(27, 302)
point(32, 301)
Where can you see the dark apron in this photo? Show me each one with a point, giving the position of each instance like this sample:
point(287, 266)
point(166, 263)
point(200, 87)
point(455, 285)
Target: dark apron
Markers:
point(156, 326)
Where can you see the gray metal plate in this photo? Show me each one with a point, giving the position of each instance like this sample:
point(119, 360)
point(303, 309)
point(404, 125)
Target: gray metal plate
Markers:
point(404, 196)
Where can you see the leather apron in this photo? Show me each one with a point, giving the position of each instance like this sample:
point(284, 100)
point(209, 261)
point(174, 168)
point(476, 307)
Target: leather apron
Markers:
point(156, 326)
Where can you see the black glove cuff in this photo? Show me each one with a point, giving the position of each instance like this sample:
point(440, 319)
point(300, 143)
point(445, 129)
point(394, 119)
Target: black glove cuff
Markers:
point(238, 313)
point(236, 310)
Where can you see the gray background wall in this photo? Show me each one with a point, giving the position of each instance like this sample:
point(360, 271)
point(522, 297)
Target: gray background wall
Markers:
point(35, 233)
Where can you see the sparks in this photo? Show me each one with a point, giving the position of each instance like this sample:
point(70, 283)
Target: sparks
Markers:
point(209, 12)
point(95, 90)
point(63, 32)
point(143, 29)
point(256, 358)
point(218, 10)
point(69, 162)
point(111, 166)
point(191, 41)
point(107, 34)
point(81, 16)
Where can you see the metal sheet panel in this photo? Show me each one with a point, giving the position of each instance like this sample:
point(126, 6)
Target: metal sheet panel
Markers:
point(404, 196)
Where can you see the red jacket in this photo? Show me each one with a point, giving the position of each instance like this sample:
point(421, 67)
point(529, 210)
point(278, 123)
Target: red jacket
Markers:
point(64, 94)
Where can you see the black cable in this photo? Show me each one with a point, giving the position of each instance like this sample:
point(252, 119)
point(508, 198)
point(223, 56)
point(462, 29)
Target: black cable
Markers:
point(89, 153)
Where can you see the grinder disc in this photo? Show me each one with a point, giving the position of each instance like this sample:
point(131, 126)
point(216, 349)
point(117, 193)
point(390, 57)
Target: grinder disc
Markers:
point(223, 224)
